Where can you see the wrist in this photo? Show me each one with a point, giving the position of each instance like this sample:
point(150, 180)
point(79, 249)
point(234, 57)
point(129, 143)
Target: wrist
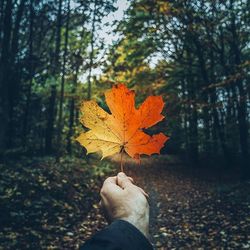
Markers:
point(140, 224)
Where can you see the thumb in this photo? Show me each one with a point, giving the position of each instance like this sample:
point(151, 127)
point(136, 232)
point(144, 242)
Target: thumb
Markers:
point(123, 180)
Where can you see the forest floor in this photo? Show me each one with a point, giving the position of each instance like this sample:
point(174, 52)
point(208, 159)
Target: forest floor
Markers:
point(48, 205)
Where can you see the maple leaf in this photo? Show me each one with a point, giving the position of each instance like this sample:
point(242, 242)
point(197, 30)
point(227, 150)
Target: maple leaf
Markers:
point(122, 130)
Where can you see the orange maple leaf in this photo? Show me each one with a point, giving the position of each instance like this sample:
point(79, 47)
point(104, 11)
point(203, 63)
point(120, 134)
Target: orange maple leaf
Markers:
point(122, 130)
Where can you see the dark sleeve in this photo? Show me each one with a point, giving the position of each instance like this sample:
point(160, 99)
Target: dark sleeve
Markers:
point(120, 235)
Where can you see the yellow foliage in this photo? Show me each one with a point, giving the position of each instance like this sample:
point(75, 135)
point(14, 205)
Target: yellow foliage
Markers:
point(164, 6)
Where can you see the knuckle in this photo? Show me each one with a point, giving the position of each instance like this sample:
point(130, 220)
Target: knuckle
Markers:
point(109, 179)
point(102, 191)
point(121, 174)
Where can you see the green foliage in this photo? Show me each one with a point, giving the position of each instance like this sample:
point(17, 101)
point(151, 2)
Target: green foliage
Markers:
point(103, 168)
point(201, 48)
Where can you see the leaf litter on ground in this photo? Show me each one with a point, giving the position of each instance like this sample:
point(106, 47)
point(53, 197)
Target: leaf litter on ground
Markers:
point(56, 206)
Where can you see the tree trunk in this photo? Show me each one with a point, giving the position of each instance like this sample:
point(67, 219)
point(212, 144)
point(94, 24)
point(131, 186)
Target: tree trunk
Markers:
point(1, 21)
point(205, 96)
point(5, 73)
point(14, 78)
point(184, 107)
point(230, 95)
point(193, 117)
point(50, 121)
point(26, 114)
point(52, 101)
point(92, 50)
point(60, 120)
point(242, 109)
point(72, 112)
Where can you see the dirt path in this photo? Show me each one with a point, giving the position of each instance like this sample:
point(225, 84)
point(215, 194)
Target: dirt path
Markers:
point(193, 213)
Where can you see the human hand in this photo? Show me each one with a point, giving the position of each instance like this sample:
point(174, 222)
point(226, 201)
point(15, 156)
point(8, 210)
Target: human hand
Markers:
point(121, 199)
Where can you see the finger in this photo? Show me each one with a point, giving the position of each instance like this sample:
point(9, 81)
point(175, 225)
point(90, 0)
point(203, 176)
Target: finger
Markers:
point(110, 180)
point(109, 186)
point(144, 193)
point(123, 180)
point(104, 211)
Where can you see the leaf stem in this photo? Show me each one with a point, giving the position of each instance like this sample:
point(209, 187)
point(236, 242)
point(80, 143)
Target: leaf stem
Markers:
point(121, 166)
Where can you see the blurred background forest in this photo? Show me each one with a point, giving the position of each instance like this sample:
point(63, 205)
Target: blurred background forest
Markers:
point(55, 54)
point(194, 53)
